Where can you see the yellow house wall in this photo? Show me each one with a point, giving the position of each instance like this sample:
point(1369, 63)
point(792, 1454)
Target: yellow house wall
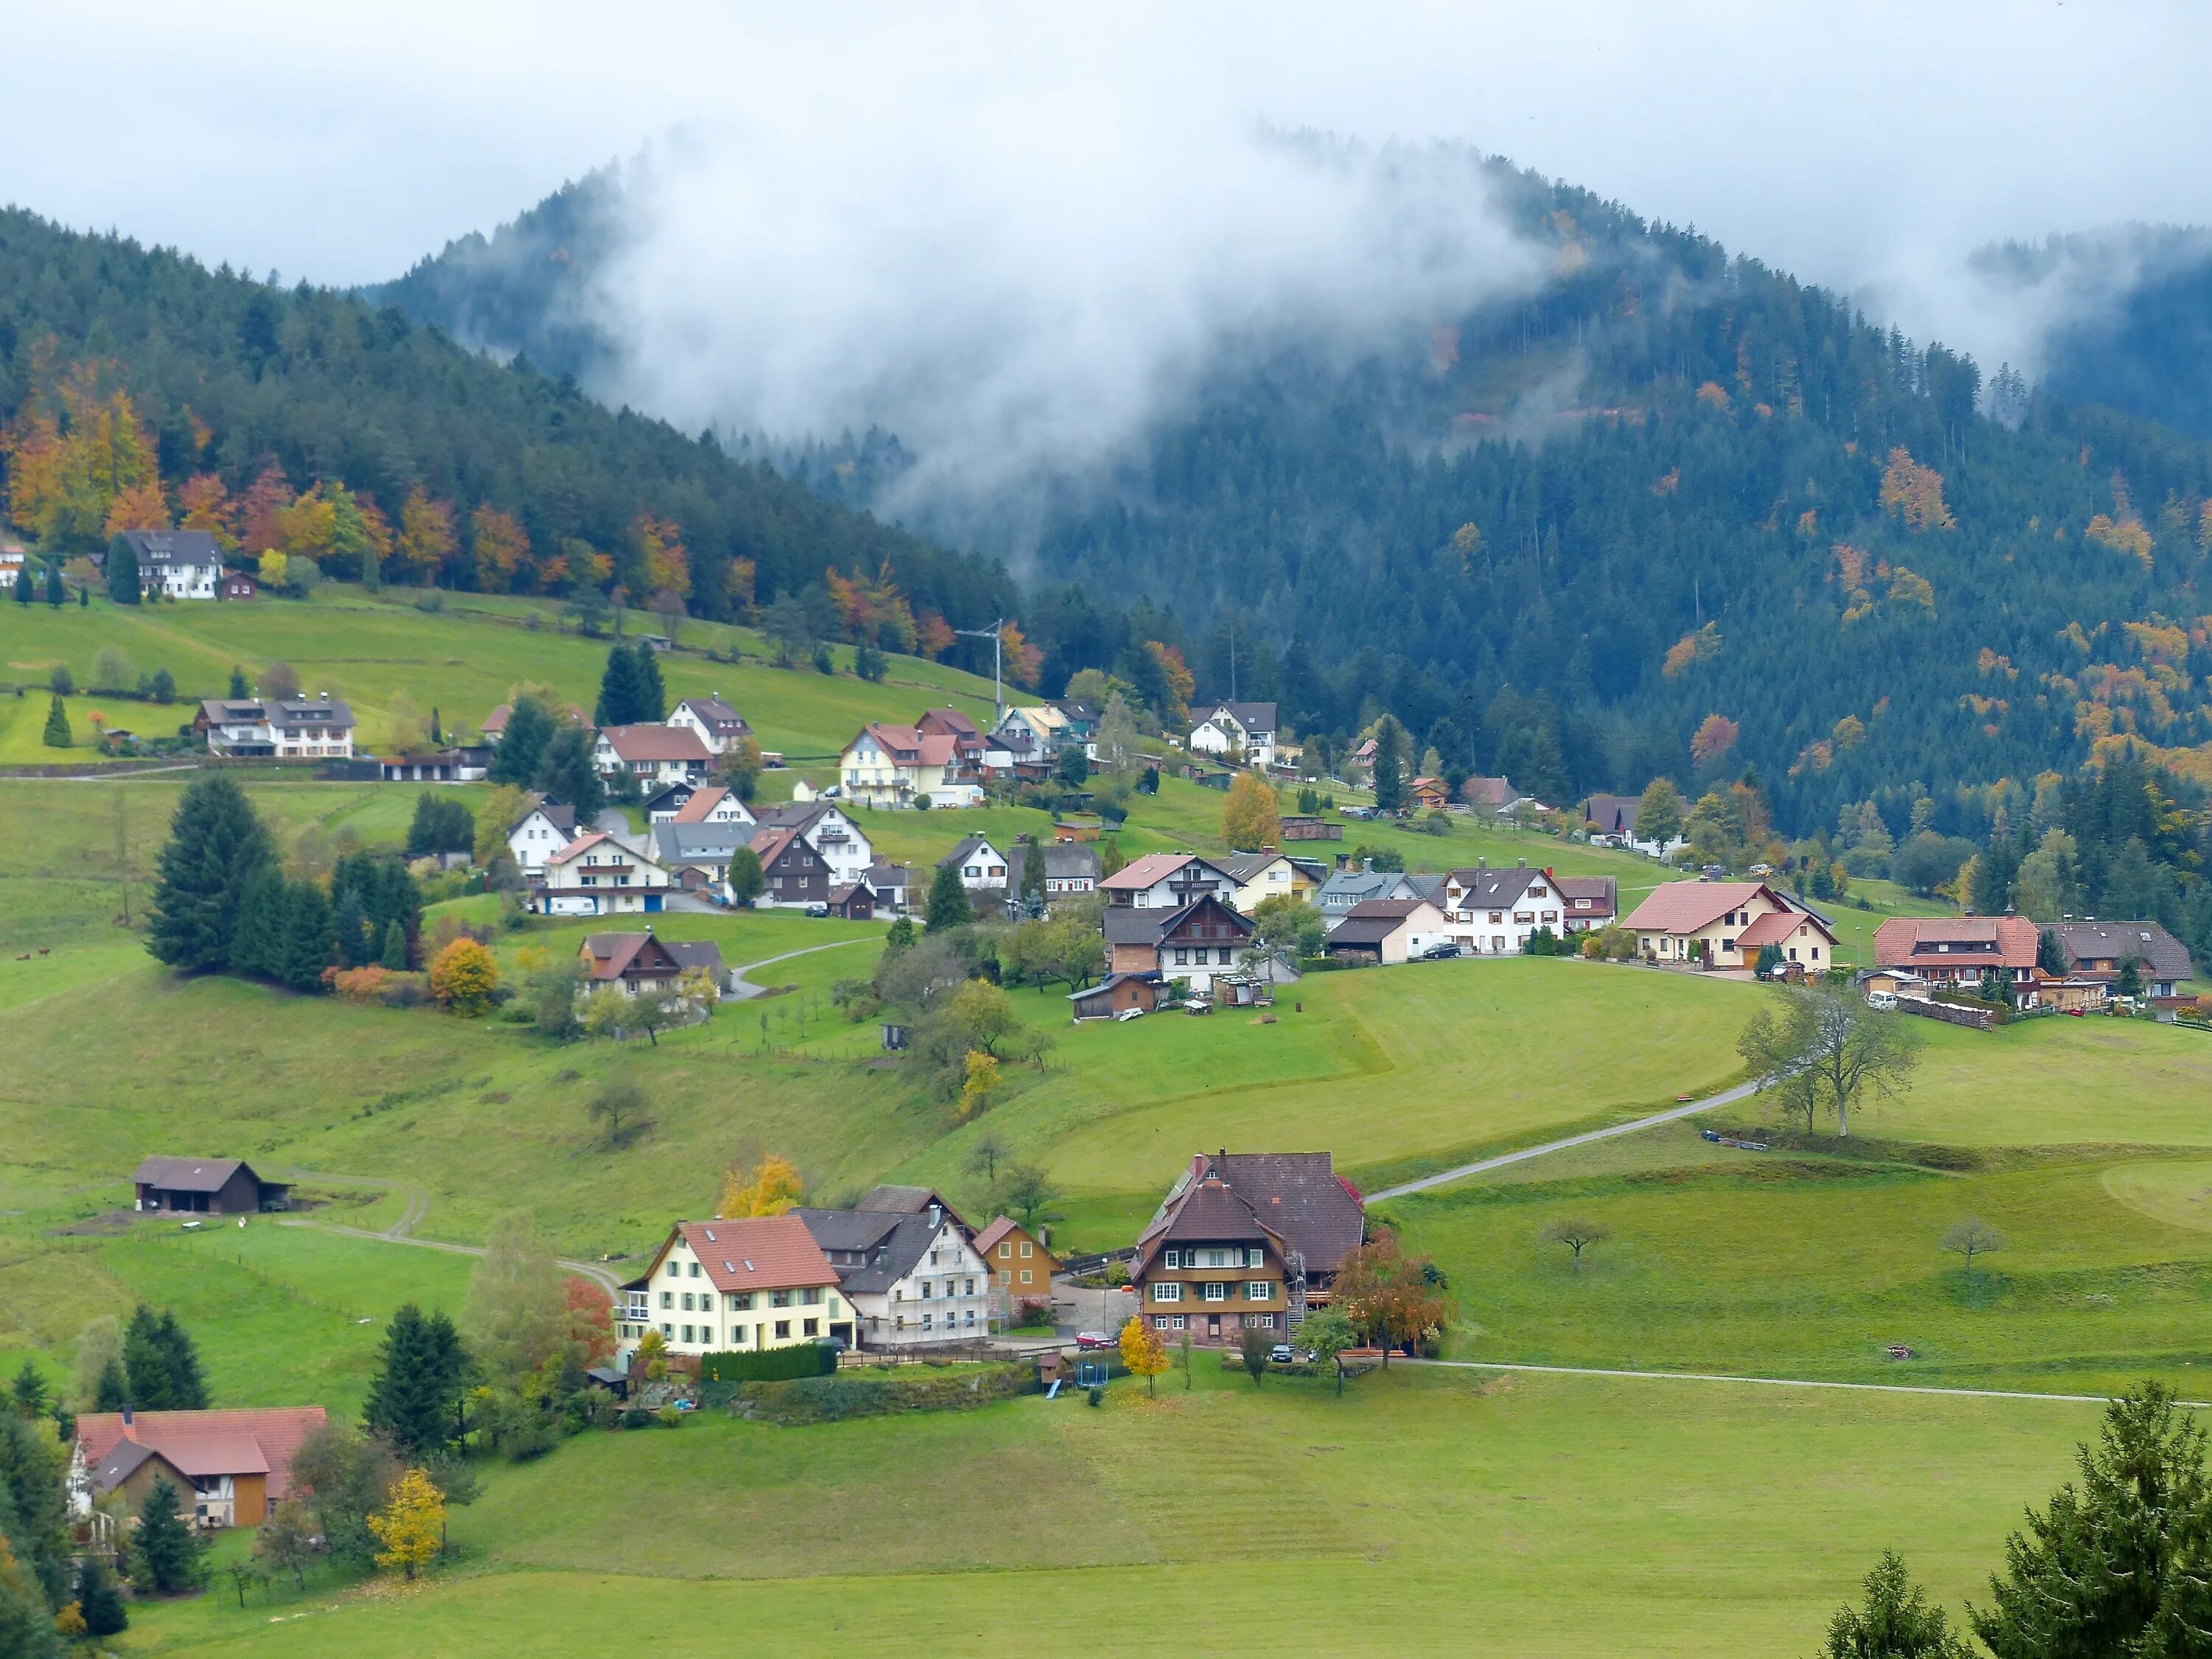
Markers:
point(723, 1320)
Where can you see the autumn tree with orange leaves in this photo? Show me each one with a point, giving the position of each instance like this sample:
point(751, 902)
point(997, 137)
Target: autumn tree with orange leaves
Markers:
point(1914, 494)
point(426, 536)
point(500, 547)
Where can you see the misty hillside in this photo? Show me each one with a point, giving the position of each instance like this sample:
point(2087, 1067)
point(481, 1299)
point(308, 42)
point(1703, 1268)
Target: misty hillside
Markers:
point(1674, 484)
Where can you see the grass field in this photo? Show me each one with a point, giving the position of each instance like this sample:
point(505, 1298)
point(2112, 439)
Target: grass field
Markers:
point(1460, 1514)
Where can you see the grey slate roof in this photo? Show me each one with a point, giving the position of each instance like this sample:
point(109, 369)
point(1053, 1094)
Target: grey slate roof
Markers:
point(1063, 862)
point(1125, 924)
point(1299, 1195)
point(697, 953)
point(1252, 716)
point(889, 1243)
point(1494, 890)
point(1345, 888)
point(2163, 956)
point(189, 1174)
point(687, 843)
point(160, 547)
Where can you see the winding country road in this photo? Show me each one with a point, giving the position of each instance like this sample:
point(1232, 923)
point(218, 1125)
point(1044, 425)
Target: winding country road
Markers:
point(1443, 1177)
point(741, 987)
point(1772, 1382)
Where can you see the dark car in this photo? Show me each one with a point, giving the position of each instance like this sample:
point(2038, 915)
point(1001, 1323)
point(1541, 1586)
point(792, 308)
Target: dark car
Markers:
point(1282, 1354)
point(1442, 950)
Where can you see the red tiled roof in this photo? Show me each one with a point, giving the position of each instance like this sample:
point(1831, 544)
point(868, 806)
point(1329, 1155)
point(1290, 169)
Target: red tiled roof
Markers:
point(210, 1442)
point(1140, 873)
point(772, 844)
point(1684, 907)
point(757, 1253)
point(583, 843)
point(703, 800)
point(911, 747)
point(992, 1234)
point(656, 743)
point(1777, 925)
point(1994, 941)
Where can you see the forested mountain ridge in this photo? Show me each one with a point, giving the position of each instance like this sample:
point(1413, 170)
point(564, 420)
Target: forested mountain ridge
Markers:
point(1671, 485)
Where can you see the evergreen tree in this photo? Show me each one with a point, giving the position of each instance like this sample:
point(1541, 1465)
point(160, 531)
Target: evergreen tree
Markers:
point(26, 1621)
point(350, 927)
point(240, 690)
point(123, 583)
point(98, 1599)
point(619, 692)
point(23, 589)
point(566, 773)
point(1033, 875)
point(1389, 766)
point(57, 592)
point(113, 1392)
point(146, 1362)
point(257, 942)
point(651, 703)
point(310, 938)
point(165, 1556)
point(949, 904)
point(57, 734)
point(394, 955)
point(521, 748)
point(413, 1400)
point(33, 1508)
point(187, 1393)
point(215, 847)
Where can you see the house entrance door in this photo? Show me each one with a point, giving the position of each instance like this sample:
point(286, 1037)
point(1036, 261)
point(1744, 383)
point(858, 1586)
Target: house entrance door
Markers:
point(1213, 1324)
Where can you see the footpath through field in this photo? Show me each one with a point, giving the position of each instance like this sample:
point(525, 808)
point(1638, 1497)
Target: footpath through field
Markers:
point(1775, 1381)
point(1442, 1177)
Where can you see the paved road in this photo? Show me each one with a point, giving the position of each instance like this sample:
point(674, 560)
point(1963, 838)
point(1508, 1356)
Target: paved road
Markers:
point(591, 1270)
point(1771, 1382)
point(741, 987)
point(1727, 1097)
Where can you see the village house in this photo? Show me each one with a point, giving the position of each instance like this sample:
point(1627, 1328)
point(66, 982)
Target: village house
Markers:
point(712, 803)
point(980, 865)
point(2096, 950)
point(1021, 1268)
point(1082, 722)
point(853, 901)
point(320, 727)
point(1355, 884)
point(1587, 902)
point(463, 763)
point(1611, 820)
point(894, 766)
point(599, 874)
point(1262, 875)
point(1069, 867)
point(891, 884)
point(1430, 794)
point(662, 805)
point(631, 962)
point(912, 1275)
point(207, 1186)
point(1040, 730)
point(177, 564)
point(1167, 881)
point(1954, 952)
point(796, 875)
point(230, 1468)
point(1493, 912)
point(1246, 730)
point(716, 724)
point(1387, 932)
point(654, 755)
point(1321, 1216)
point(1199, 943)
point(741, 1286)
point(830, 832)
point(697, 855)
point(542, 831)
point(1118, 994)
point(969, 742)
point(1494, 797)
point(236, 585)
point(1725, 924)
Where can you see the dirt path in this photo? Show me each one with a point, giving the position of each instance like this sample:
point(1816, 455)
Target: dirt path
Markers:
point(741, 987)
point(418, 1200)
point(1771, 1382)
point(591, 1270)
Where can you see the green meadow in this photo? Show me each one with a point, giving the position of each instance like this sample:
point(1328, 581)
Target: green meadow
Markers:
point(1510, 1514)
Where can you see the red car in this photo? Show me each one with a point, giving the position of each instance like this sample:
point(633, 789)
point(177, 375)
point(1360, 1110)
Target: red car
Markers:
point(1091, 1339)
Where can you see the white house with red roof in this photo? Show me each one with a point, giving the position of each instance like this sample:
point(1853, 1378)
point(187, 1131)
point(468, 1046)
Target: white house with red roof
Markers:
point(1725, 924)
point(717, 724)
point(894, 766)
point(652, 755)
point(713, 804)
point(742, 1285)
point(599, 874)
point(1168, 881)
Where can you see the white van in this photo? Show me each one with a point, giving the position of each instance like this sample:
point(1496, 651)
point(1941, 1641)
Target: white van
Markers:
point(1881, 999)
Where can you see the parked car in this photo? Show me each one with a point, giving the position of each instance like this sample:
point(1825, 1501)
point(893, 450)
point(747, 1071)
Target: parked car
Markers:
point(1881, 999)
point(1089, 1340)
point(817, 908)
point(1442, 951)
point(1127, 1014)
point(1281, 1354)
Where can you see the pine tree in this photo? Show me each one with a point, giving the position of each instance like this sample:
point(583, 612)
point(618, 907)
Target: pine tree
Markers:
point(351, 928)
point(113, 1393)
point(215, 847)
point(23, 589)
point(57, 734)
point(146, 1362)
point(418, 1382)
point(1033, 877)
point(240, 690)
point(257, 941)
point(187, 1392)
point(619, 692)
point(521, 748)
point(309, 939)
point(98, 1599)
point(56, 592)
point(949, 904)
point(394, 955)
point(165, 1556)
point(567, 774)
point(651, 704)
point(123, 583)
point(1389, 765)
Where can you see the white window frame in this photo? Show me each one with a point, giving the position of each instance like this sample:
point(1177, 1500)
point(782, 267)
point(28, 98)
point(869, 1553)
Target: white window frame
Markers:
point(1167, 1290)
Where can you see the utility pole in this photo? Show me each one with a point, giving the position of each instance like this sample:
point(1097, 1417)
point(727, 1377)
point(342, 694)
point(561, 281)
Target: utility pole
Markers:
point(996, 635)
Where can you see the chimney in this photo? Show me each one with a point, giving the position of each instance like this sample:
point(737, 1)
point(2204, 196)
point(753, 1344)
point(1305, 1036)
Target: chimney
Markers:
point(1367, 866)
point(127, 1418)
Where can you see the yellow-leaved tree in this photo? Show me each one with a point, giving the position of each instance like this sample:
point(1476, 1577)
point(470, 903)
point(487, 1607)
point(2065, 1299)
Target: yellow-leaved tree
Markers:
point(410, 1524)
point(1143, 1351)
point(771, 1187)
point(1253, 817)
point(979, 1082)
point(464, 977)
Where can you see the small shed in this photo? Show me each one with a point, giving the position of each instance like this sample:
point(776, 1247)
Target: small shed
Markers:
point(236, 585)
point(853, 901)
point(1116, 994)
point(207, 1186)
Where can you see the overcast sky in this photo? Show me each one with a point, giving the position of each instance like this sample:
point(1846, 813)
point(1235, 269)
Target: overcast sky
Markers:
point(1081, 177)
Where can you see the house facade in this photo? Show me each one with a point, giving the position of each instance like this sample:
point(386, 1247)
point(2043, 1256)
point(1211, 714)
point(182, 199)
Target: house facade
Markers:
point(894, 766)
point(697, 855)
point(734, 1286)
point(542, 831)
point(1261, 875)
point(654, 755)
point(980, 865)
point(1685, 922)
point(796, 875)
point(1199, 943)
point(628, 961)
point(1386, 931)
point(599, 874)
point(2097, 950)
point(1070, 867)
point(831, 832)
point(206, 1186)
point(914, 1278)
point(277, 728)
point(229, 1466)
point(177, 564)
point(1246, 729)
point(1355, 885)
point(716, 724)
point(1587, 902)
point(1493, 912)
point(1020, 1265)
point(1209, 1265)
point(1168, 881)
point(1954, 952)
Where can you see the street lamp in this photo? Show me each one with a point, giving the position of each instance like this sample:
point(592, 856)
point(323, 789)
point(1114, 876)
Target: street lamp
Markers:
point(996, 634)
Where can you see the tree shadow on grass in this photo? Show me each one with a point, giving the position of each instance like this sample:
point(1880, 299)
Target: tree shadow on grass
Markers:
point(1976, 1288)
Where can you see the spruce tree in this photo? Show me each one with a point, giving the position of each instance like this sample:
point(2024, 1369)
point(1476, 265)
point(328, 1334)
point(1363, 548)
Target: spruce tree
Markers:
point(23, 589)
point(57, 593)
point(1389, 765)
point(521, 748)
point(33, 1506)
point(619, 688)
point(1033, 874)
point(567, 774)
point(146, 1362)
point(258, 938)
point(310, 938)
point(165, 1556)
point(188, 1391)
point(27, 1621)
point(57, 734)
point(949, 904)
point(215, 847)
point(418, 1382)
point(112, 1392)
point(123, 583)
point(98, 1599)
point(394, 955)
point(240, 690)
point(651, 704)
point(352, 929)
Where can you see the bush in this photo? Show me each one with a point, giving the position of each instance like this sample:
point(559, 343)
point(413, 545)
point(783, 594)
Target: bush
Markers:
point(405, 990)
point(668, 1416)
point(362, 984)
point(769, 1364)
point(1034, 1310)
point(637, 1417)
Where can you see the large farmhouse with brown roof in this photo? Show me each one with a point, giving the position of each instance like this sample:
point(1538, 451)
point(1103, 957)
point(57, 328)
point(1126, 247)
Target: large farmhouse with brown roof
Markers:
point(229, 1467)
point(1721, 924)
point(651, 754)
point(1949, 951)
point(207, 1186)
point(2097, 950)
point(760, 1282)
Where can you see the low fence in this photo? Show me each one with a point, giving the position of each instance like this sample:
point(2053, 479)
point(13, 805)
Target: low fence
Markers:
point(1978, 1019)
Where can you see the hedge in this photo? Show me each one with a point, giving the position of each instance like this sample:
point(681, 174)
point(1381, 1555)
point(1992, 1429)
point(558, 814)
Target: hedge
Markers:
point(769, 1364)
